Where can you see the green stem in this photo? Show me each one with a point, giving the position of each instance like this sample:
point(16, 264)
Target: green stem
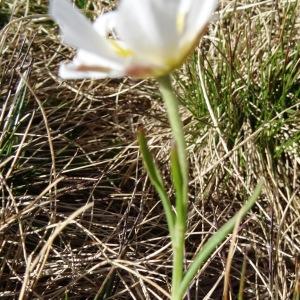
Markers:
point(178, 260)
point(171, 104)
point(181, 181)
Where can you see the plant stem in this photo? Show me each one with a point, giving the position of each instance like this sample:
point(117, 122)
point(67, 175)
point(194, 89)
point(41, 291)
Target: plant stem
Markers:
point(171, 104)
point(181, 186)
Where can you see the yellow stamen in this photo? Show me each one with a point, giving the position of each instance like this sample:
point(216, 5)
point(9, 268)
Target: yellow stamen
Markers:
point(121, 51)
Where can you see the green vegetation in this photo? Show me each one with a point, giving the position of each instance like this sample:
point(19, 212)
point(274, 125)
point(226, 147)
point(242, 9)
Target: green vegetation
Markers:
point(67, 144)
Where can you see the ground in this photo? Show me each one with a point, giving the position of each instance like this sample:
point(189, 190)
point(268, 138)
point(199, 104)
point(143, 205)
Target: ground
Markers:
point(67, 144)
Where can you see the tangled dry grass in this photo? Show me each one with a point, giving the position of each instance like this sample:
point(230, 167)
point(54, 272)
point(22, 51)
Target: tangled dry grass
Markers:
point(79, 219)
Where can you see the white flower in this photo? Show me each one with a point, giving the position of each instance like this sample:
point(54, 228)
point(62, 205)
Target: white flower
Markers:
point(140, 38)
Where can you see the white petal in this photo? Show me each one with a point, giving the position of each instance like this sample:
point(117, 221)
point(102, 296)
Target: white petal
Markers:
point(87, 65)
point(90, 59)
point(148, 27)
point(77, 30)
point(198, 13)
point(106, 23)
point(70, 71)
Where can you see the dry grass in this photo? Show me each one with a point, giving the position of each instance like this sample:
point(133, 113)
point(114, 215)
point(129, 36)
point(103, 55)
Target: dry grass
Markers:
point(65, 145)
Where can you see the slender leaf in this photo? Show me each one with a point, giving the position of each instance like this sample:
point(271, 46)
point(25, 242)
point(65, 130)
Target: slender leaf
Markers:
point(214, 241)
point(156, 180)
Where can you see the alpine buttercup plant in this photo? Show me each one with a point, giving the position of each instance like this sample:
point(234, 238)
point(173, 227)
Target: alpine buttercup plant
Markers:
point(148, 38)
